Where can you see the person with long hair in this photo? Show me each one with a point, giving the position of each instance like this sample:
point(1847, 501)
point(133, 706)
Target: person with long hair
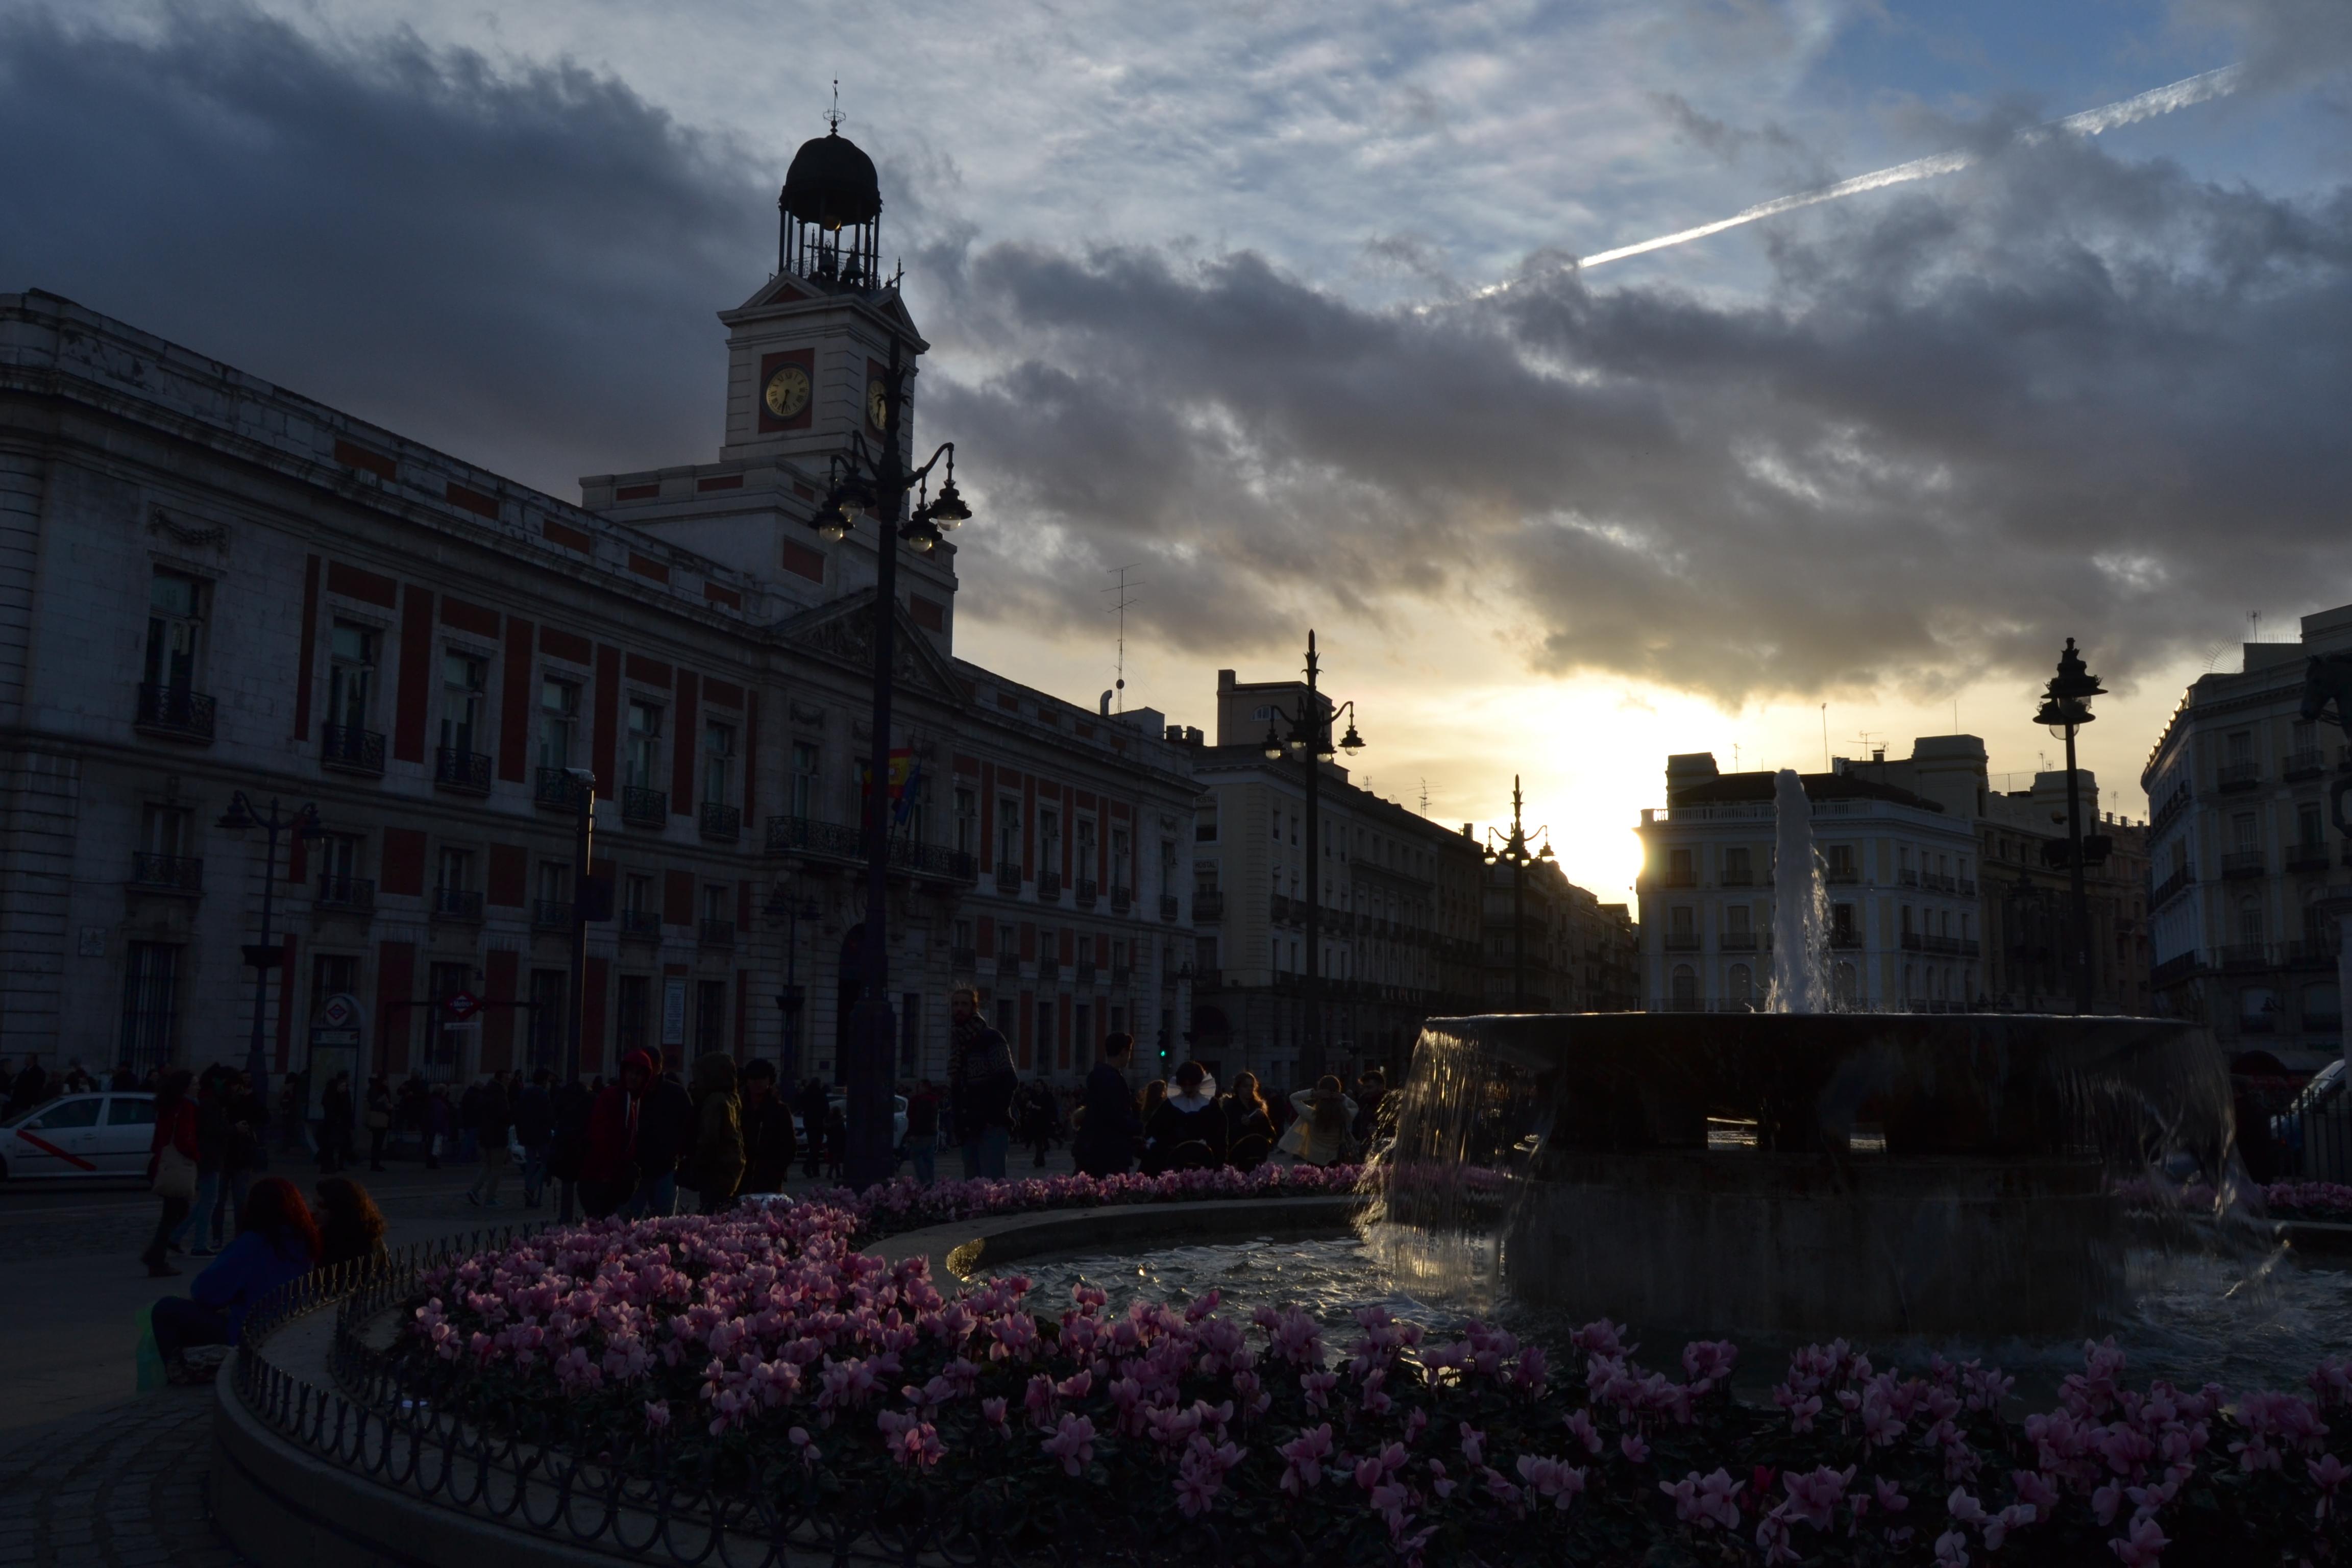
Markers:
point(1249, 1125)
point(351, 1227)
point(277, 1244)
point(1326, 1118)
point(171, 1166)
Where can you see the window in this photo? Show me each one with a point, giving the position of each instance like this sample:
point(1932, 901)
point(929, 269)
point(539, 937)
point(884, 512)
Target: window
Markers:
point(350, 675)
point(1008, 833)
point(805, 800)
point(550, 1028)
point(454, 871)
point(1679, 871)
point(1087, 847)
point(2241, 744)
point(175, 604)
point(637, 895)
point(2308, 830)
point(1842, 923)
point(967, 824)
point(2246, 829)
point(1679, 921)
point(558, 718)
point(637, 1007)
point(1739, 985)
point(1684, 983)
point(339, 857)
point(717, 763)
point(1119, 856)
point(555, 886)
point(151, 1005)
point(709, 1017)
point(910, 1032)
point(1907, 920)
point(642, 769)
point(464, 678)
point(1841, 861)
point(714, 901)
point(163, 830)
point(332, 975)
point(1735, 920)
point(1736, 870)
point(1049, 839)
point(446, 1042)
point(65, 1117)
point(2249, 921)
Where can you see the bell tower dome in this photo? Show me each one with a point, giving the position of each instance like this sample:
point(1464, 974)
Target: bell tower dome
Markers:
point(830, 212)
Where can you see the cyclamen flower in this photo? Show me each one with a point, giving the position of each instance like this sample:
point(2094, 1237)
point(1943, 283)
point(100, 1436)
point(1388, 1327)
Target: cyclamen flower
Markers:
point(656, 1414)
point(1711, 1501)
point(1073, 1443)
point(1552, 1478)
point(1303, 1459)
point(2328, 1473)
point(2143, 1548)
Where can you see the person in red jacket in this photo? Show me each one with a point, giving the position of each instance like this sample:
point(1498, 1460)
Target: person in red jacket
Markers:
point(175, 1130)
point(609, 1174)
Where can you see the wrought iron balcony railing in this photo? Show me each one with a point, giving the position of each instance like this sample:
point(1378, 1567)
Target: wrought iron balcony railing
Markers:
point(644, 808)
point(167, 873)
point(351, 895)
point(721, 821)
point(350, 750)
point(468, 772)
point(175, 712)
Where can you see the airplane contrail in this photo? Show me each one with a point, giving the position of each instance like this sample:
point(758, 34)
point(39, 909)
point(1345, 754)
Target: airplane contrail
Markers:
point(2181, 94)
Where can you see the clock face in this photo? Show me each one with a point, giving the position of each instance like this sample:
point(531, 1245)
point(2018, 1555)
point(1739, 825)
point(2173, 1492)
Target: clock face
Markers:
point(878, 404)
point(788, 391)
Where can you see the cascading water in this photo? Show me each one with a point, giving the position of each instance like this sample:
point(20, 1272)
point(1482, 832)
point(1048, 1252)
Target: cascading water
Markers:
point(1799, 905)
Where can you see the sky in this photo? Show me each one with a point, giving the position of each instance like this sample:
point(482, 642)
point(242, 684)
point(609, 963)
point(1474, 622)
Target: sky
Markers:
point(1211, 291)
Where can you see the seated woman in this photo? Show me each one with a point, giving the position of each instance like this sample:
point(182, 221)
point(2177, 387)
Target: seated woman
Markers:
point(277, 1243)
point(1323, 1131)
point(1249, 1124)
point(351, 1227)
point(1187, 1132)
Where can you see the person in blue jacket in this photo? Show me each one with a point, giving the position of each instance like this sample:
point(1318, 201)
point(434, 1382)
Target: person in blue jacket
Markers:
point(276, 1244)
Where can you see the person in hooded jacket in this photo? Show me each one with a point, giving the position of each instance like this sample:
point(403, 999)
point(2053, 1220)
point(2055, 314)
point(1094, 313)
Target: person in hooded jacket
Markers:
point(715, 1169)
point(665, 1136)
point(609, 1172)
point(568, 1155)
point(1187, 1131)
point(768, 1141)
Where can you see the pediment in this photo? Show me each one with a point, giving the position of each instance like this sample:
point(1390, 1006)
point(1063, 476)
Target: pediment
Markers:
point(843, 633)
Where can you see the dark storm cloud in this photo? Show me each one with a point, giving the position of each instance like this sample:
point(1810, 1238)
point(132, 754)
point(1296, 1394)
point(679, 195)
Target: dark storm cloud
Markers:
point(519, 266)
point(2063, 395)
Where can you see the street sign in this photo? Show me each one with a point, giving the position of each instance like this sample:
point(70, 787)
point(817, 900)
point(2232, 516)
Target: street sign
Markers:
point(461, 1006)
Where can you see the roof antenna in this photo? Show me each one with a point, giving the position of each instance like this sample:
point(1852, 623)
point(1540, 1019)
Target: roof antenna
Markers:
point(1425, 797)
point(832, 115)
point(1122, 599)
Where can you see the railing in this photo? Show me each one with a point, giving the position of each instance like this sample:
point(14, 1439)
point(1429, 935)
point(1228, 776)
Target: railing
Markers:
point(174, 712)
point(1946, 946)
point(1966, 886)
point(721, 821)
point(167, 873)
point(1049, 969)
point(1084, 893)
point(1682, 942)
point(1737, 942)
point(350, 750)
point(807, 835)
point(1008, 966)
point(2307, 858)
point(558, 790)
point(717, 934)
point(1120, 973)
point(1049, 886)
point(551, 914)
point(644, 808)
point(355, 895)
point(2181, 876)
point(456, 904)
point(2178, 966)
point(963, 959)
point(2238, 776)
point(1084, 973)
point(2244, 863)
point(1936, 882)
point(1846, 940)
point(2173, 804)
point(1740, 879)
point(1008, 878)
point(1842, 876)
point(469, 772)
point(1906, 878)
point(1208, 904)
point(1169, 906)
point(1120, 899)
point(645, 925)
point(2245, 955)
point(2306, 764)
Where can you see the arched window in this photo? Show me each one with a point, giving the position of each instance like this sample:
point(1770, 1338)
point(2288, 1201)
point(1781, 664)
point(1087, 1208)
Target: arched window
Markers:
point(1684, 992)
point(1740, 986)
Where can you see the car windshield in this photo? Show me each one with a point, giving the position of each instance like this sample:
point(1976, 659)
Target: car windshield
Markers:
point(80, 1110)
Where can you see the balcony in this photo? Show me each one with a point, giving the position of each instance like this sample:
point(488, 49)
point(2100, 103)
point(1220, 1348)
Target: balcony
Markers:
point(2177, 967)
point(1048, 970)
point(1170, 906)
point(1049, 886)
point(2174, 804)
point(720, 822)
point(1008, 966)
point(1906, 878)
point(2181, 876)
point(1208, 904)
point(1846, 940)
point(551, 914)
point(717, 933)
point(2307, 763)
point(963, 959)
point(2238, 957)
point(1122, 898)
point(2238, 776)
point(1737, 942)
point(1738, 879)
point(182, 874)
point(558, 790)
point(642, 925)
point(2307, 858)
point(1965, 885)
point(1681, 876)
point(1682, 942)
point(174, 712)
point(1084, 893)
point(1008, 878)
point(456, 904)
point(464, 772)
point(1280, 906)
point(644, 808)
point(1844, 876)
point(1084, 973)
point(346, 895)
point(1120, 974)
point(1942, 946)
point(1205, 979)
point(2244, 863)
point(349, 749)
point(1936, 882)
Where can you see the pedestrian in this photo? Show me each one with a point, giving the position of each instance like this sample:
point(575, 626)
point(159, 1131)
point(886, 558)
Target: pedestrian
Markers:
point(609, 1173)
point(922, 1143)
point(493, 1125)
point(78, 1079)
point(665, 1136)
point(1372, 1087)
point(715, 1168)
point(1154, 1094)
point(836, 1141)
point(171, 1166)
point(568, 1155)
point(810, 1105)
point(1108, 1128)
point(440, 1121)
point(768, 1141)
point(293, 1103)
point(1187, 1131)
point(31, 1087)
point(334, 1125)
point(196, 1237)
point(124, 1080)
point(1036, 1114)
point(980, 1087)
point(1249, 1126)
point(379, 1120)
point(1325, 1126)
point(276, 1246)
point(249, 1127)
point(351, 1227)
point(469, 1111)
point(534, 1125)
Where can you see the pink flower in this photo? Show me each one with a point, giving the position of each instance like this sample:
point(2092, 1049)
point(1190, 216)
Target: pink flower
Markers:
point(1073, 1443)
point(1552, 1478)
point(1636, 1450)
point(1711, 1501)
point(1952, 1550)
point(2143, 1548)
point(656, 1414)
point(1303, 1459)
point(2327, 1472)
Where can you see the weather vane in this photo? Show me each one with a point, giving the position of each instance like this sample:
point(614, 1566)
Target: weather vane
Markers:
point(832, 115)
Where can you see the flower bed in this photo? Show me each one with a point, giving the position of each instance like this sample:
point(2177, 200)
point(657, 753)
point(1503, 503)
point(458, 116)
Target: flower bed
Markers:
point(760, 1355)
point(889, 1207)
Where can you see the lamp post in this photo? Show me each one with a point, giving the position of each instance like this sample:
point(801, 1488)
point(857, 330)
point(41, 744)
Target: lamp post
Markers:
point(583, 846)
point(790, 912)
point(2067, 703)
point(1513, 851)
point(880, 481)
point(265, 955)
point(1309, 738)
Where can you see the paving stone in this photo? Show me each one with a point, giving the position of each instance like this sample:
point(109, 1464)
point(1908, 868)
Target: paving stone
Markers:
point(122, 1488)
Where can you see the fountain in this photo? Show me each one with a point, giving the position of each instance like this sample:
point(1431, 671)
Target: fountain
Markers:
point(1799, 905)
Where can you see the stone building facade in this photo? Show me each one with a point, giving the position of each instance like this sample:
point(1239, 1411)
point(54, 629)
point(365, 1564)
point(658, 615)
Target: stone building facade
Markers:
point(2242, 851)
point(209, 583)
point(1400, 925)
point(1580, 954)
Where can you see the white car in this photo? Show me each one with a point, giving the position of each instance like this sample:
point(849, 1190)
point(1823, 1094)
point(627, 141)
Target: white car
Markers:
point(80, 1135)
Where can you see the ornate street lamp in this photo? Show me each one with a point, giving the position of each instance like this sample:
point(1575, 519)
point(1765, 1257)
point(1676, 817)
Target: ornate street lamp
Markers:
point(2066, 704)
point(1512, 851)
point(1306, 736)
point(880, 481)
point(266, 955)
